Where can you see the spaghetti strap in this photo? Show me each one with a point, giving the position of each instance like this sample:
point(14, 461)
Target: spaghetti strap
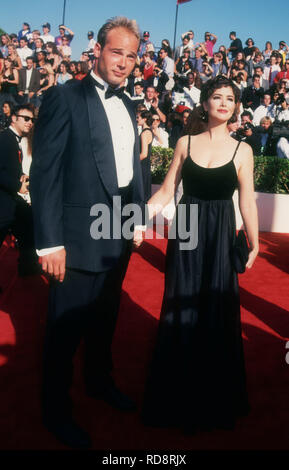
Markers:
point(189, 146)
point(236, 150)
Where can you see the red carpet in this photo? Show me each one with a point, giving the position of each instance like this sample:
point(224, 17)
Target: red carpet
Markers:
point(265, 317)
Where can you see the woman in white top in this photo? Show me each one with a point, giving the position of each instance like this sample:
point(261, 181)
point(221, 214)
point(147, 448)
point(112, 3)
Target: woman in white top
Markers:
point(160, 136)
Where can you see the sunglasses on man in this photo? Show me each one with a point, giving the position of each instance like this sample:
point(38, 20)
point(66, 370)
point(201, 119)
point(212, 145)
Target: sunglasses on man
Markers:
point(26, 118)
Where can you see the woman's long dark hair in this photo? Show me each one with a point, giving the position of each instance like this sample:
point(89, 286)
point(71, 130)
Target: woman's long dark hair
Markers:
point(198, 120)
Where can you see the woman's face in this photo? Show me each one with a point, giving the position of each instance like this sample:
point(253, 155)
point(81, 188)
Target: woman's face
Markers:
point(221, 104)
point(62, 68)
point(7, 63)
point(10, 49)
point(239, 56)
point(6, 109)
point(49, 49)
point(72, 68)
point(140, 121)
point(156, 121)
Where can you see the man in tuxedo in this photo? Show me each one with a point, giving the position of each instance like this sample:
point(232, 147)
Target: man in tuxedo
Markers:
point(252, 95)
point(15, 213)
point(86, 152)
point(29, 82)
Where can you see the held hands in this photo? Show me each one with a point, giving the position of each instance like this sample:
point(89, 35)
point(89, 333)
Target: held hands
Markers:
point(54, 264)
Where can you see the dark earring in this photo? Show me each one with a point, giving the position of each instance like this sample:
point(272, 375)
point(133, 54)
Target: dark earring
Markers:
point(204, 116)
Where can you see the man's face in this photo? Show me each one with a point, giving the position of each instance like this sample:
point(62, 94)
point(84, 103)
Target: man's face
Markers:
point(266, 125)
point(267, 100)
point(21, 123)
point(256, 82)
point(198, 53)
point(191, 79)
point(145, 37)
point(24, 27)
point(116, 59)
point(232, 37)
point(38, 43)
point(22, 43)
point(162, 53)
point(150, 93)
point(6, 108)
point(45, 30)
point(138, 90)
point(137, 72)
point(191, 35)
point(40, 56)
point(272, 60)
point(61, 31)
point(185, 41)
point(258, 58)
point(258, 71)
point(245, 119)
point(29, 63)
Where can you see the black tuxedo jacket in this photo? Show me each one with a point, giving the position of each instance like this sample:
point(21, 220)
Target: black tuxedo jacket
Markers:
point(10, 174)
point(73, 168)
point(34, 84)
point(250, 94)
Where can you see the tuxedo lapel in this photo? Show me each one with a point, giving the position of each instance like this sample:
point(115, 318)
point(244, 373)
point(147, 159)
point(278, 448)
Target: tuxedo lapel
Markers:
point(127, 103)
point(101, 139)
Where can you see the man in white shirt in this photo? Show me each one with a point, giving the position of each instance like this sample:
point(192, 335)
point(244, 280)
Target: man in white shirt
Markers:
point(23, 51)
point(168, 67)
point(46, 36)
point(270, 72)
point(191, 92)
point(91, 41)
point(86, 164)
point(265, 109)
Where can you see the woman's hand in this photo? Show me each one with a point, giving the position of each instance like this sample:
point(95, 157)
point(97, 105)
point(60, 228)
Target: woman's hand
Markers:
point(252, 256)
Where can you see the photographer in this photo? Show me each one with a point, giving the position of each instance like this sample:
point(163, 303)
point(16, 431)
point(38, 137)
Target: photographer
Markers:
point(247, 133)
point(268, 143)
point(281, 127)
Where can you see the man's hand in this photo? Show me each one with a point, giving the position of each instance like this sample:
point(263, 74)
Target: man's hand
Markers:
point(21, 93)
point(138, 237)
point(24, 187)
point(54, 264)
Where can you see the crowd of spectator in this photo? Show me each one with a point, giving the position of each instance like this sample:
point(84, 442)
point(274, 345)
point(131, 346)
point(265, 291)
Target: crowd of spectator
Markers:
point(165, 82)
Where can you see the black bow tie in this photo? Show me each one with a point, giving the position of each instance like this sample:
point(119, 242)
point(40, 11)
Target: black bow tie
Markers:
point(114, 92)
point(110, 91)
point(18, 137)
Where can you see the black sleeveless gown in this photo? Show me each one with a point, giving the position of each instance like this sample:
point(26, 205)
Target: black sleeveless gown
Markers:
point(197, 376)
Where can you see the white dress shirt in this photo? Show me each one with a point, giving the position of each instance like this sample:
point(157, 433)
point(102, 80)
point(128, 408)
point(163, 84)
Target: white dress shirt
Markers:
point(123, 140)
point(263, 111)
point(47, 38)
point(23, 53)
point(192, 96)
point(28, 79)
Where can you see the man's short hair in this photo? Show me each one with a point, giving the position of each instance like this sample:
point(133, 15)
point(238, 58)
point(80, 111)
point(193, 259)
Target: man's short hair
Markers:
point(256, 76)
point(258, 67)
point(232, 33)
point(30, 58)
point(24, 38)
point(29, 107)
point(117, 22)
point(247, 113)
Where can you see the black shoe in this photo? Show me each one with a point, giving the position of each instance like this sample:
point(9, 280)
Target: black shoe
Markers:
point(69, 433)
point(114, 397)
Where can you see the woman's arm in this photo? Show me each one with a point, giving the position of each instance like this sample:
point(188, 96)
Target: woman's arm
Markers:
point(145, 141)
point(167, 191)
point(247, 202)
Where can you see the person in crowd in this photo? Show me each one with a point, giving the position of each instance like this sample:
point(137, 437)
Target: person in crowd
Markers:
point(218, 67)
point(138, 91)
point(268, 143)
point(236, 45)
point(23, 51)
point(52, 55)
point(225, 58)
point(180, 64)
point(152, 103)
point(145, 40)
point(179, 52)
point(46, 81)
point(149, 65)
point(192, 90)
point(258, 70)
point(158, 80)
point(5, 118)
point(12, 54)
point(65, 49)
point(250, 49)
point(46, 36)
point(252, 95)
point(270, 72)
point(178, 95)
point(197, 61)
point(207, 72)
point(256, 60)
point(210, 41)
point(239, 80)
point(64, 186)
point(25, 32)
point(15, 213)
point(265, 109)
point(284, 51)
point(145, 120)
point(284, 73)
point(267, 51)
point(247, 133)
point(64, 32)
point(34, 35)
point(176, 124)
point(160, 136)
point(241, 64)
point(40, 59)
point(135, 77)
point(29, 82)
point(73, 68)
point(9, 80)
point(4, 42)
point(82, 71)
point(91, 41)
point(166, 44)
point(63, 75)
point(168, 67)
point(200, 316)
point(39, 46)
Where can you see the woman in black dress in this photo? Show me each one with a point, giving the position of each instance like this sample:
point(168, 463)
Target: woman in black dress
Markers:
point(197, 376)
point(145, 120)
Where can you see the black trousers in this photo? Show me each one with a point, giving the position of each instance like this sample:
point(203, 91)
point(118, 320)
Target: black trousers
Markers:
point(83, 307)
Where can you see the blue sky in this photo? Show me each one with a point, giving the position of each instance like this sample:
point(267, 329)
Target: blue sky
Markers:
point(261, 20)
